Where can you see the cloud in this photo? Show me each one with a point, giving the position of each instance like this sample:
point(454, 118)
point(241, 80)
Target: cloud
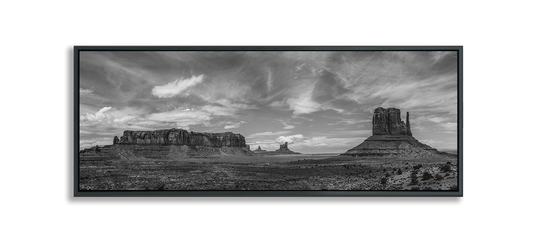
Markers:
point(98, 116)
point(287, 126)
point(437, 119)
point(303, 104)
point(350, 122)
point(268, 133)
point(289, 139)
point(86, 91)
point(235, 125)
point(449, 127)
point(177, 87)
point(181, 118)
point(430, 142)
point(323, 141)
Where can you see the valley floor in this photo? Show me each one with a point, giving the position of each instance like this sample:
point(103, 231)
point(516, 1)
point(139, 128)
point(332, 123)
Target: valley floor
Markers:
point(290, 172)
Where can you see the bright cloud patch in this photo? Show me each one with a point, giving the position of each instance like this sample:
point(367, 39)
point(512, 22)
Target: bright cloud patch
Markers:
point(177, 87)
point(289, 139)
point(86, 91)
point(233, 126)
point(98, 116)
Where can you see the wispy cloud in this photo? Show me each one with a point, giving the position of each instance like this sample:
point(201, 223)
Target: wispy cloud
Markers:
point(267, 133)
point(234, 125)
point(177, 87)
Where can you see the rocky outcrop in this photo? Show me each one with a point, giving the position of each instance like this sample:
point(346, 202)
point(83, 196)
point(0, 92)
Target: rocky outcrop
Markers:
point(259, 150)
point(283, 150)
point(389, 122)
point(168, 144)
point(392, 137)
point(181, 137)
point(284, 147)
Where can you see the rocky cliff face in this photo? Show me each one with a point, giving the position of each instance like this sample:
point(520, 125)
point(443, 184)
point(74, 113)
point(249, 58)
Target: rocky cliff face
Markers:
point(389, 122)
point(168, 144)
point(180, 137)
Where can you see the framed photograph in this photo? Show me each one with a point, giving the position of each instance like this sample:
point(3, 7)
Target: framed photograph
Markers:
point(268, 121)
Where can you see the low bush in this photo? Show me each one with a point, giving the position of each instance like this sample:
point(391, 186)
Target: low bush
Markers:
point(414, 177)
point(383, 181)
point(438, 177)
point(399, 172)
point(426, 176)
point(446, 168)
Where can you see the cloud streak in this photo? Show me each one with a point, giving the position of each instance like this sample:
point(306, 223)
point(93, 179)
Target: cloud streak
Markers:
point(177, 87)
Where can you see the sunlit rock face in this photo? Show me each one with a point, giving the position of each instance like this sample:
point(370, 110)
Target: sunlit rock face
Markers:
point(181, 137)
point(389, 122)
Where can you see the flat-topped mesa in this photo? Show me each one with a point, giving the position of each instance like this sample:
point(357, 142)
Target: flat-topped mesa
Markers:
point(389, 122)
point(180, 137)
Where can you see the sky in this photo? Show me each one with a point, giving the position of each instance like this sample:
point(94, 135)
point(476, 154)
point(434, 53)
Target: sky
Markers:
point(318, 102)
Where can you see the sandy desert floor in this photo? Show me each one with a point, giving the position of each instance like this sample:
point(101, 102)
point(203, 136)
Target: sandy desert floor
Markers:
point(290, 172)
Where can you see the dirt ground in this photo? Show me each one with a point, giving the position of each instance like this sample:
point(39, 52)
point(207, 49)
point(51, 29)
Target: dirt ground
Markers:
point(290, 172)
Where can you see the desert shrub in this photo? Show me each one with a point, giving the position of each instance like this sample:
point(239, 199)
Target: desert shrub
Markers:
point(417, 167)
point(414, 177)
point(387, 174)
point(454, 187)
point(399, 172)
point(415, 188)
point(439, 177)
point(428, 188)
point(446, 168)
point(383, 181)
point(426, 176)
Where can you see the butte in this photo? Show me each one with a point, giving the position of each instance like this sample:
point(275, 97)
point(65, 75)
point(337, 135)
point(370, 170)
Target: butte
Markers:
point(392, 137)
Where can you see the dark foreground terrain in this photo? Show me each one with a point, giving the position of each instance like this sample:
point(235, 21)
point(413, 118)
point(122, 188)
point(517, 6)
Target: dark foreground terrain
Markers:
point(290, 172)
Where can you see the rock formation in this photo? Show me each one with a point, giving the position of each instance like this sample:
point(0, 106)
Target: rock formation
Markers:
point(182, 137)
point(391, 137)
point(259, 150)
point(168, 144)
point(284, 149)
point(389, 122)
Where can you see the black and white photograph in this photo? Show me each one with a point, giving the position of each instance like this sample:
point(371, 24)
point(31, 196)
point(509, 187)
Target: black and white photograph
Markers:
point(268, 120)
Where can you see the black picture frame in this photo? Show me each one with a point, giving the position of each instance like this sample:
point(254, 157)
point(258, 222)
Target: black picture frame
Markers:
point(461, 65)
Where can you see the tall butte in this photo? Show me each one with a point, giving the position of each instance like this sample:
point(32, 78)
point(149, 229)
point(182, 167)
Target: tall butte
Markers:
point(391, 137)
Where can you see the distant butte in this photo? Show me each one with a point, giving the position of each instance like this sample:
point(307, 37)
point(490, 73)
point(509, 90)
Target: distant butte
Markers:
point(391, 137)
point(283, 150)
